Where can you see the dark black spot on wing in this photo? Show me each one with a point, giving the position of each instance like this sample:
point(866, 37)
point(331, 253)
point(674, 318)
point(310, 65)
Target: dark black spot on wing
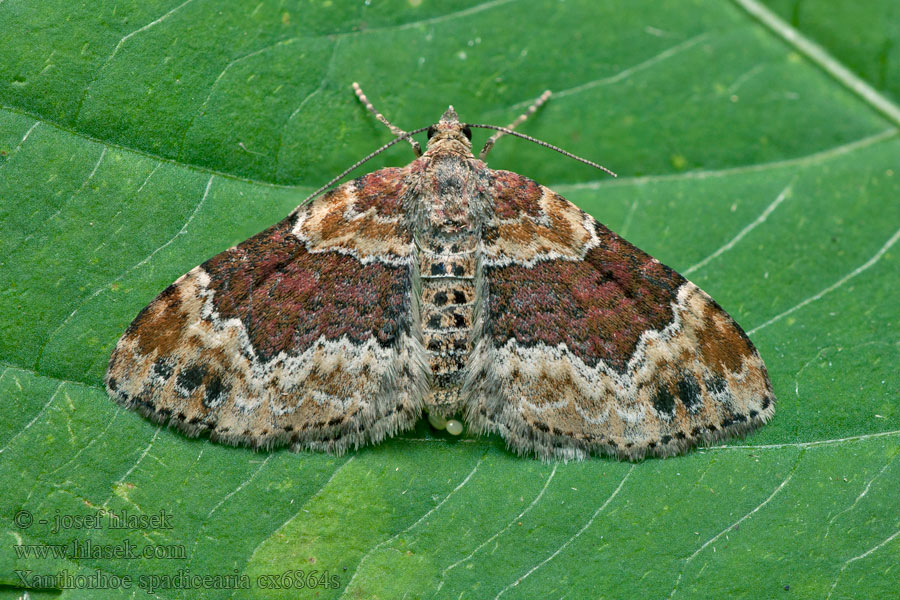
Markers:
point(664, 401)
point(715, 384)
point(689, 392)
point(216, 392)
point(191, 377)
point(162, 368)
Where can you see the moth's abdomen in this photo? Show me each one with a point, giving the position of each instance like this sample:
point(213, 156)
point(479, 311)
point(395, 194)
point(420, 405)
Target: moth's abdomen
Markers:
point(447, 267)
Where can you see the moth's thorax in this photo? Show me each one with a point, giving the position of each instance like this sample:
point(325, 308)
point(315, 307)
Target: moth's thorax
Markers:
point(450, 196)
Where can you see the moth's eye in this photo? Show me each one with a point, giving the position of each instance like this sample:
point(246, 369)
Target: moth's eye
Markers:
point(467, 132)
point(431, 131)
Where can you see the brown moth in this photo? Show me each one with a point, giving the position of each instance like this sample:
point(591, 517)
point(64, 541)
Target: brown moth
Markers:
point(450, 288)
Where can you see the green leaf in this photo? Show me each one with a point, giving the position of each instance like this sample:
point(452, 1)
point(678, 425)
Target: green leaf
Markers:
point(138, 139)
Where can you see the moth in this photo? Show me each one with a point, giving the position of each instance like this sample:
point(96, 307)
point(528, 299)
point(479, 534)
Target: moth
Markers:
point(448, 288)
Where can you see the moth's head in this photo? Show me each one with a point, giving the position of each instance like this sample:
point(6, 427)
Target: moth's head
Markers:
point(450, 135)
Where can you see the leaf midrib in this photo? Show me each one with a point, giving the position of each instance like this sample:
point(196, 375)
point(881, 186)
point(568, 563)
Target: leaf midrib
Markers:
point(820, 57)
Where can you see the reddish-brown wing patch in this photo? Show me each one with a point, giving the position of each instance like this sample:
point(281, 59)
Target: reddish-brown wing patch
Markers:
point(287, 298)
point(597, 306)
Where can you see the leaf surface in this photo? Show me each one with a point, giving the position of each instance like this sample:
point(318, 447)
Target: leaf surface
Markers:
point(138, 139)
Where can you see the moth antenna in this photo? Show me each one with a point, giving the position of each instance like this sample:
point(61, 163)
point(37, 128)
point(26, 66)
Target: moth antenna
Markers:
point(362, 161)
point(394, 129)
point(509, 131)
point(519, 120)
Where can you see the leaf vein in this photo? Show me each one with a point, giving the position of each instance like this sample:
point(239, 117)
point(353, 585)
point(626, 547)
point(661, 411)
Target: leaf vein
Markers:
point(860, 269)
point(68, 200)
point(36, 417)
point(808, 159)
point(116, 51)
point(294, 515)
point(571, 539)
point(743, 232)
point(19, 145)
point(411, 527)
point(850, 561)
point(139, 460)
point(124, 273)
point(853, 438)
point(713, 539)
point(861, 495)
point(501, 531)
point(817, 55)
point(303, 102)
point(218, 78)
point(225, 499)
point(624, 73)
